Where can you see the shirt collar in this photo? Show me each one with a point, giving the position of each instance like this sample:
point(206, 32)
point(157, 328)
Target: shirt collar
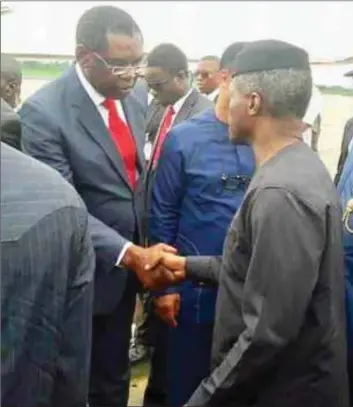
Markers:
point(179, 104)
point(212, 96)
point(95, 96)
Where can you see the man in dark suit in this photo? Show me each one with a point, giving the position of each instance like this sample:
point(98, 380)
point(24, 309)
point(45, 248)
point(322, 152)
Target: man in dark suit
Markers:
point(47, 266)
point(346, 142)
point(90, 127)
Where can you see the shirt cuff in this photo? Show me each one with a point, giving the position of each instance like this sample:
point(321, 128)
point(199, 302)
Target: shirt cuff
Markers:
point(122, 253)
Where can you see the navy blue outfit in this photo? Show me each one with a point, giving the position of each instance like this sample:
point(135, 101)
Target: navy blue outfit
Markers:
point(200, 182)
point(345, 189)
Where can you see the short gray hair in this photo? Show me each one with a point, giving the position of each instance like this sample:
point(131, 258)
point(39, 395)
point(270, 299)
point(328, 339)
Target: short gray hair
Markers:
point(286, 92)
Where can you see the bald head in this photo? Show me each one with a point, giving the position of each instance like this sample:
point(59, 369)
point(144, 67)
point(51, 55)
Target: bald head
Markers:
point(11, 80)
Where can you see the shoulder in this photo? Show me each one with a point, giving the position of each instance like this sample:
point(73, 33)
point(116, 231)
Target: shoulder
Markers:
point(32, 191)
point(194, 130)
point(202, 102)
point(51, 94)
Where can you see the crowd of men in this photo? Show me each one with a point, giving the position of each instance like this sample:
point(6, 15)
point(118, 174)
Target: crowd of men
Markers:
point(125, 178)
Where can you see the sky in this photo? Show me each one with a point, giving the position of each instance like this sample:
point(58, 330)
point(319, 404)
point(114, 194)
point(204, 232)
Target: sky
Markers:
point(323, 28)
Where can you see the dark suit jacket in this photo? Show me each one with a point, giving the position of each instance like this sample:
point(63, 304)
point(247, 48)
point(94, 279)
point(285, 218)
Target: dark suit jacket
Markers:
point(47, 266)
point(194, 104)
point(347, 137)
point(10, 126)
point(62, 127)
point(155, 113)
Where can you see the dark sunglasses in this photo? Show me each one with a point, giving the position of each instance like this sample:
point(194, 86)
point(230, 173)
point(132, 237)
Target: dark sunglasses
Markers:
point(202, 74)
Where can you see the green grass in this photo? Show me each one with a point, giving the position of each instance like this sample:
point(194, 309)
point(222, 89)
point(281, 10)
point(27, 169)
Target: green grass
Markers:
point(42, 73)
point(336, 90)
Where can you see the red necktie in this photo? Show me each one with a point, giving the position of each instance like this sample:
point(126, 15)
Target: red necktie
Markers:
point(123, 140)
point(163, 130)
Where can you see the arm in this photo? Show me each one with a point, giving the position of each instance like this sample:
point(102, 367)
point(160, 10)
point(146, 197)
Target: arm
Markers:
point(277, 291)
point(348, 130)
point(42, 139)
point(72, 377)
point(167, 195)
point(203, 268)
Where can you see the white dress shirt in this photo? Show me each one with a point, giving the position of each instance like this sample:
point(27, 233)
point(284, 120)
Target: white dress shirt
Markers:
point(98, 101)
point(213, 95)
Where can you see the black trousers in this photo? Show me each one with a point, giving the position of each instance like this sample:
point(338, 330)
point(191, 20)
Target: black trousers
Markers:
point(110, 364)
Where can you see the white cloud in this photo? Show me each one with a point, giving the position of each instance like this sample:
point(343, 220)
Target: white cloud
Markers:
point(323, 28)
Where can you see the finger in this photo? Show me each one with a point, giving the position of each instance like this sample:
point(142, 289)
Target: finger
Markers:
point(179, 275)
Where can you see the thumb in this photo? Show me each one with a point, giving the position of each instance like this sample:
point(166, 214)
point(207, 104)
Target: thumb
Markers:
point(167, 248)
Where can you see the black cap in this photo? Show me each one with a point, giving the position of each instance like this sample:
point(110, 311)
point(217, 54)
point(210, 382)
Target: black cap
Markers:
point(349, 73)
point(267, 55)
point(230, 53)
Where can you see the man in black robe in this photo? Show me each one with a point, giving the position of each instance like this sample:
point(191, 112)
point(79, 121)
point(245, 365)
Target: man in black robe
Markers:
point(279, 335)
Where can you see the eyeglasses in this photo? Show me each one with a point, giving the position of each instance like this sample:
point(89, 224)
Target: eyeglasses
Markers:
point(123, 70)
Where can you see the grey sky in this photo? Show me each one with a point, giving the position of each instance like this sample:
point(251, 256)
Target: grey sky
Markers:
point(324, 28)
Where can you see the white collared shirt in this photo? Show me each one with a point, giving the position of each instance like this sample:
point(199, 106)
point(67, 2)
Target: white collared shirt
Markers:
point(213, 95)
point(98, 99)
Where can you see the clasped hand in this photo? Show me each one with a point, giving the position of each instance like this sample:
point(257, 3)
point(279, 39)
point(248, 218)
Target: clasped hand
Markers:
point(157, 267)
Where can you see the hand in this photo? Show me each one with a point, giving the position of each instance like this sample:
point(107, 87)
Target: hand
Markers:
point(176, 264)
point(145, 263)
point(167, 308)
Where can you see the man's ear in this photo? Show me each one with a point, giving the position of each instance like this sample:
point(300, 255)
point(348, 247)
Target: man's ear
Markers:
point(82, 54)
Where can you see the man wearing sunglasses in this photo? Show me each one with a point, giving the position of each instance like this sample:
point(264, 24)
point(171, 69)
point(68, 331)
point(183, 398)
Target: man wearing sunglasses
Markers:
point(207, 76)
point(90, 127)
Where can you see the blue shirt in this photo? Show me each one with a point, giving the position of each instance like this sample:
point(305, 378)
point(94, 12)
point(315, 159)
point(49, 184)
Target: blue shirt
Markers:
point(200, 182)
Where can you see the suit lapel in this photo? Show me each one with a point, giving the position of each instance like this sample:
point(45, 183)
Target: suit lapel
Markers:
point(93, 124)
point(186, 108)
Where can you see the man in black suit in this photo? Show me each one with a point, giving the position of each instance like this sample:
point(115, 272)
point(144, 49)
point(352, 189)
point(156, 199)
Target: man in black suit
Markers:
point(47, 268)
point(11, 81)
point(90, 126)
point(346, 142)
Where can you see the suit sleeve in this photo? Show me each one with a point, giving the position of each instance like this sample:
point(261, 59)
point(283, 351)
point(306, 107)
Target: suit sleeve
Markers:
point(279, 284)
point(167, 195)
point(73, 373)
point(42, 139)
point(204, 269)
point(347, 137)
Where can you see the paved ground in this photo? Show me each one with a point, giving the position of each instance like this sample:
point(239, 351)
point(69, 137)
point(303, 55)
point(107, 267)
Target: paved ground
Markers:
point(337, 109)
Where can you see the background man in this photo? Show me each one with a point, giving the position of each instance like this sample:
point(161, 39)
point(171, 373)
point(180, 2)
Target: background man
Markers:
point(346, 142)
point(200, 182)
point(312, 120)
point(279, 315)
point(207, 76)
point(47, 266)
point(88, 126)
point(11, 80)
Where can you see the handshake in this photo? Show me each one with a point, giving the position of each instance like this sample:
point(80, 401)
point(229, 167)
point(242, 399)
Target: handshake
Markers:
point(157, 267)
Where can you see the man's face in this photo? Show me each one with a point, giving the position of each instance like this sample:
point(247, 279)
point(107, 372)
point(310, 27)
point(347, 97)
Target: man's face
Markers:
point(11, 92)
point(207, 76)
point(242, 112)
point(166, 88)
point(113, 73)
